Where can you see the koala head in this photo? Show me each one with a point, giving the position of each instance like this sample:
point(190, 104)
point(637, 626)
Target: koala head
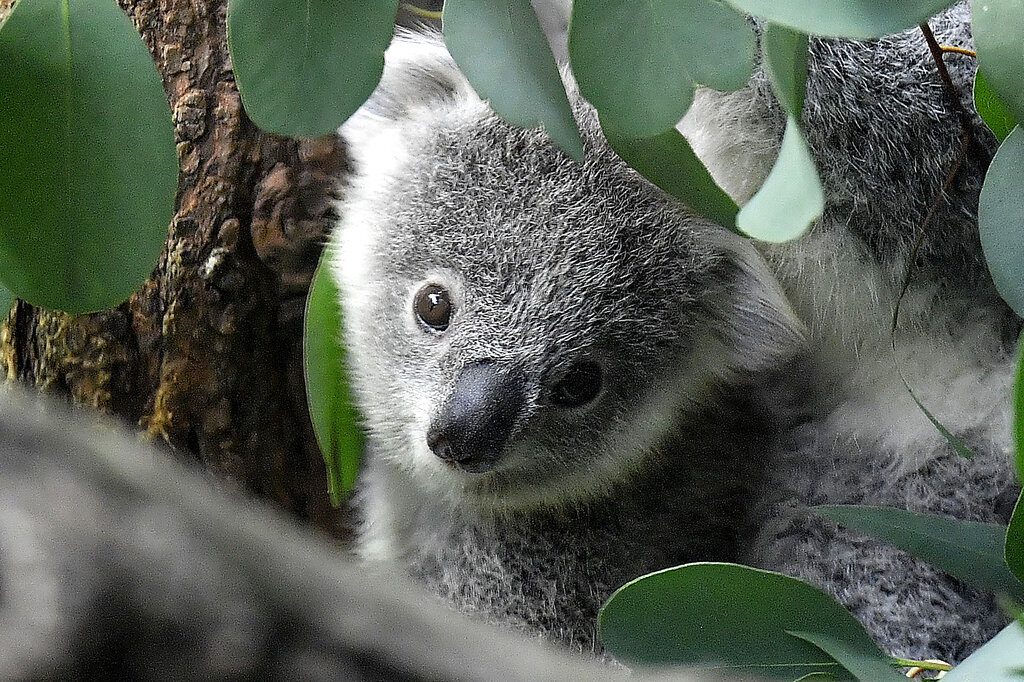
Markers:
point(523, 329)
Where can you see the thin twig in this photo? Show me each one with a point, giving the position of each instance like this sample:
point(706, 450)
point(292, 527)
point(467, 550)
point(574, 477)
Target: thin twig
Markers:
point(420, 12)
point(947, 81)
point(953, 49)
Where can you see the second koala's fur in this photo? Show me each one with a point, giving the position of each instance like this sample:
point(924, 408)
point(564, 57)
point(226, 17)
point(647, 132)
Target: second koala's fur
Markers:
point(723, 411)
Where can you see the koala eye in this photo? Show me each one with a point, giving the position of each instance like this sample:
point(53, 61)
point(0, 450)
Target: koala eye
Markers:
point(433, 306)
point(579, 386)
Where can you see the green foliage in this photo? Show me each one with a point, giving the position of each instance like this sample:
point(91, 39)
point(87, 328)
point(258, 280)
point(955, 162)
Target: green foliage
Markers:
point(1014, 548)
point(998, 26)
point(863, 665)
point(669, 162)
point(303, 67)
point(331, 407)
point(89, 166)
point(992, 109)
point(973, 552)
point(733, 619)
point(791, 199)
point(1001, 220)
point(639, 61)
point(997, 661)
point(842, 18)
point(513, 67)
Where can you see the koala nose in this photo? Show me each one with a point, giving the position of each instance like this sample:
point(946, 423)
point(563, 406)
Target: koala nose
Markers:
point(476, 421)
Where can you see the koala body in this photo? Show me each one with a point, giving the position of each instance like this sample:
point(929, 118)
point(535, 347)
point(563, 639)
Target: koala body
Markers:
point(569, 380)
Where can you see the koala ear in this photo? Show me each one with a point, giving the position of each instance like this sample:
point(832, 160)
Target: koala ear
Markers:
point(755, 321)
point(418, 73)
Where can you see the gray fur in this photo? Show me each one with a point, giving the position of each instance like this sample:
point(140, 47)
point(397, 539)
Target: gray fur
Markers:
point(719, 424)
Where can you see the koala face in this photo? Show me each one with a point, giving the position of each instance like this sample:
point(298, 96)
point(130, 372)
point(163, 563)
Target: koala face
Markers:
point(524, 329)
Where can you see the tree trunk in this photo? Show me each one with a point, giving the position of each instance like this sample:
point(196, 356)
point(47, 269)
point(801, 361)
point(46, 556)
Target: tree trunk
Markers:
point(207, 355)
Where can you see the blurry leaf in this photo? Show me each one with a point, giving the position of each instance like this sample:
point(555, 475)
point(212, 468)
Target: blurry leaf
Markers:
point(997, 661)
point(786, 57)
point(637, 61)
point(1014, 549)
point(791, 199)
point(304, 66)
point(87, 150)
point(868, 667)
point(1018, 410)
point(1001, 220)
point(729, 618)
point(669, 162)
point(990, 107)
point(998, 26)
point(331, 408)
point(501, 49)
point(843, 18)
point(970, 551)
point(6, 301)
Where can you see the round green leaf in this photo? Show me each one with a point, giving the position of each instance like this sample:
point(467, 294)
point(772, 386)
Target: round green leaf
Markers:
point(844, 18)
point(668, 161)
point(791, 199)
point(867, 666)
point(998, 661)
point(304, 66)
point(970, 551)
point(992, 109)
point(1001, 220)
point(500, 47)
point(729, 618)
point(637, 61)
point(998, 28)
point(89, 167)
point(331, 407)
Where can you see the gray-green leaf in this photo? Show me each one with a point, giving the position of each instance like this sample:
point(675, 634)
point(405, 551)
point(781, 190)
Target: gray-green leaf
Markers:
point(331, 407)
point(842, 18)
point(87, 150)
point(500, 47)
point(304, 66)
point(968, 550)
point(997, 26)
point(791, 199)
point(729, 618)
point(638, 61)
point(997, 661)
point(1001, 219)
point(669, 162)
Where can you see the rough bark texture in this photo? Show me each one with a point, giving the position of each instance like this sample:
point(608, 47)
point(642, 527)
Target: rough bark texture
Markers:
point(207, 355)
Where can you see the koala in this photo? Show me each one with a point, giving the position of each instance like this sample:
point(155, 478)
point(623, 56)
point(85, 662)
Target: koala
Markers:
point(569, 380)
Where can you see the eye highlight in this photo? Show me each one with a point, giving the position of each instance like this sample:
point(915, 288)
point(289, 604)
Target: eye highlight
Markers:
point(580, 385)
point(433, 307)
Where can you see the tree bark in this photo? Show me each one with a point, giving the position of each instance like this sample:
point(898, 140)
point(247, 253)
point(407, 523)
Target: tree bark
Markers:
point(207, 355)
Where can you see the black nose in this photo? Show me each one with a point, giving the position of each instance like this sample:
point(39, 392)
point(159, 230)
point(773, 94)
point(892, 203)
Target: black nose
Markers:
point(475, 423)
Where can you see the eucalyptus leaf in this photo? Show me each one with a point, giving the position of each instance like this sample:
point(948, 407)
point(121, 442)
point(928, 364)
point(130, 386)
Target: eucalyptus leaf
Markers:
point(87, 150)
point(500, 47)
point(791, 199)
point(1014, 548)
point(867, 667)
point(304, 66)
point(331, 407)
point(992, 109)
point(844, 18)
point(997, 26)
point(970, 551)
point(639, 61)
point(1001, 220)
point(998, 661)
point(729, 619)
point(669, 162)
point(786, 54)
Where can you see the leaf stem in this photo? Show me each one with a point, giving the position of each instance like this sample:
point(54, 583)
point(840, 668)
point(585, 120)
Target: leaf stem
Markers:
point(420, 12)
point(953, 49)
point(929, 664)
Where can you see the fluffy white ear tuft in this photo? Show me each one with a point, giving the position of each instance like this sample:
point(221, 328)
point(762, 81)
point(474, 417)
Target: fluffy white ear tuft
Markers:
point(757, 322)
point(418, 73)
